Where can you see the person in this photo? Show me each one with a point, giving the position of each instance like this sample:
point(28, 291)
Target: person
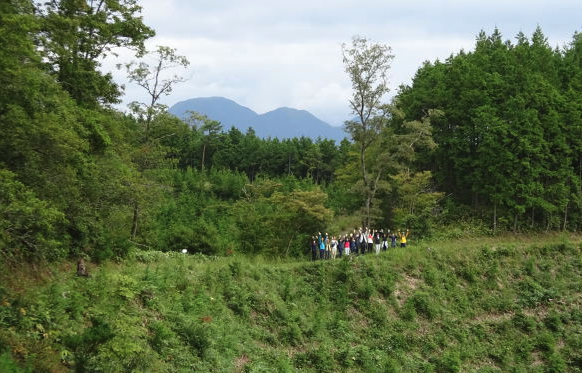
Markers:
point(358, 239)
point(403, 237)
point(333, 246)
point(384, 240)
point(377, 242)
point(313, 248)
point(392, 240)
point(370, 241)
point(346, 245)
point(353, 243)
point(327, 246)
point(321, 246)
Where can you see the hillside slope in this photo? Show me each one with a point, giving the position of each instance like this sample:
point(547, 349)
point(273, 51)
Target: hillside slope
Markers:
point(445, 309)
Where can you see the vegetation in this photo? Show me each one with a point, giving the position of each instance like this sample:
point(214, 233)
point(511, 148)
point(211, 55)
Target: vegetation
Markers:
point(485, 142)
point(508, 142)
point(498, 134)
point(466, 307)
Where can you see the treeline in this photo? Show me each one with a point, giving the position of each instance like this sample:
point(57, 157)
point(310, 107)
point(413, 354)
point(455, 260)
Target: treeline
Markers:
point(510, 139)
point(245, 152)
point(77, 177)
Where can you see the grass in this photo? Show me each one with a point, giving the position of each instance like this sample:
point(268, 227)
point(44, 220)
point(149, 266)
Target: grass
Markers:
point(492, 304)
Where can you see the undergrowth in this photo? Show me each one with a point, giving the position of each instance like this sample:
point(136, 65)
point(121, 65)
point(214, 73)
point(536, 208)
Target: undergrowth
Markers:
point(488, 308)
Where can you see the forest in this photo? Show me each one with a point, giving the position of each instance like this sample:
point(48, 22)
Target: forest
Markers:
point(486, 141)
point(191, 240)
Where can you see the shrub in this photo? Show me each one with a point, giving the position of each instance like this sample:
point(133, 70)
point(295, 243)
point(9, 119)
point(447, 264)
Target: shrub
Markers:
point(366, 289)
point(7, 365)
point(546, 342)
point(85, 345)
point(533, 294)
point(197, 336)
point(450, 362)
point(291, 335)
point(408, 312)
point(29, 227)
point(553, 321)
point(424, 305)
point(161, 336)
point(556, 364)
point(521, 321)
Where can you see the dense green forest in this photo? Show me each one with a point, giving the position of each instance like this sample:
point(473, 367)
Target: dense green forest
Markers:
point(488, 140)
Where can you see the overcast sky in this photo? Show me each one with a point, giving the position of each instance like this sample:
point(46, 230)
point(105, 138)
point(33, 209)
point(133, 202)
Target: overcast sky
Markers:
point(266, 54)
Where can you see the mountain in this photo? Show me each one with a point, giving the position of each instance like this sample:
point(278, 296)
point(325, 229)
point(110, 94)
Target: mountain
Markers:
point(281, 123)
point(226, 111)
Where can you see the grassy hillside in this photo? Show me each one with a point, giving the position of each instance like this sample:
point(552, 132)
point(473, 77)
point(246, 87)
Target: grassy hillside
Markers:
point(461, 307)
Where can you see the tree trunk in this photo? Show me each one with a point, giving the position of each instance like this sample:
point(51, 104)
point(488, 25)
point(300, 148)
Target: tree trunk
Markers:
point(288, 247)
point(135, 220)
point(368, 203)
point(532, 217)
point(494, 217)
point(475, 200)
point(203, 155)
point(565, 217)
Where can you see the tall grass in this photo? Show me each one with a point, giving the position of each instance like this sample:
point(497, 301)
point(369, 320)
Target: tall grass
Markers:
point(490, 305)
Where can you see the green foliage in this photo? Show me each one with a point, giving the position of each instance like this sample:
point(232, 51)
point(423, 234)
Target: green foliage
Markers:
point(449, 363)
point(534, 294)
point(277, 223)
point(417, 202)
point(7, 365)
point(76, 35)
point(417, 310)
point(502, 140)
point(29, 228)
point(80, 179)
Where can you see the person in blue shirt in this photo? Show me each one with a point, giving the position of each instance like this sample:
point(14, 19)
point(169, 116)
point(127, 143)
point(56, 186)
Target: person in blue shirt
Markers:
point(321, 246)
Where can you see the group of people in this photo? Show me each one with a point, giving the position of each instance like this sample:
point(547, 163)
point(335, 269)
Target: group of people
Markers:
point(358, 242)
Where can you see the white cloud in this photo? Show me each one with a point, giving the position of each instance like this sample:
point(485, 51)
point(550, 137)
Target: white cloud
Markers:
point(270, 53)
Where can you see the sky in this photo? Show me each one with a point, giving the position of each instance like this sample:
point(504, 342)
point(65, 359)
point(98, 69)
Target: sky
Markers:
point(266, 54)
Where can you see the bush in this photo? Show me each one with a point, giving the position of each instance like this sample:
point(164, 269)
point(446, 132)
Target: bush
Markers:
point(556, 364)
point(523, 322)
point(162, 337)
point(424, 305)
point(408, 311)
point(197, 336)
point(533, 294)
point(450, 362)
point(30, 228)
point(7, 365)
point(319, 358)
point(291, 335)
point(546, 342)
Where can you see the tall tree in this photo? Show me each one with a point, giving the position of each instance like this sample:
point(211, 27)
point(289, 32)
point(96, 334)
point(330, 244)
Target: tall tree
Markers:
point(367, 65)
point(77, 34)
point(208, 128)
point(508, 139)
point(155, 80)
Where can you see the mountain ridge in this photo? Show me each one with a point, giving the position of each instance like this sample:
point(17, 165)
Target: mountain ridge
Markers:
point(282, 122)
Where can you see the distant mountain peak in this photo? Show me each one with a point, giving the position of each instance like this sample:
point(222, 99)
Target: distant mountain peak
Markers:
point(283, 122)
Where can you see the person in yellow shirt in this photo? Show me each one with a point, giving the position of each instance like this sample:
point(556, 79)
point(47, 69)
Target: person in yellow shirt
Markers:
point(403, 237)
